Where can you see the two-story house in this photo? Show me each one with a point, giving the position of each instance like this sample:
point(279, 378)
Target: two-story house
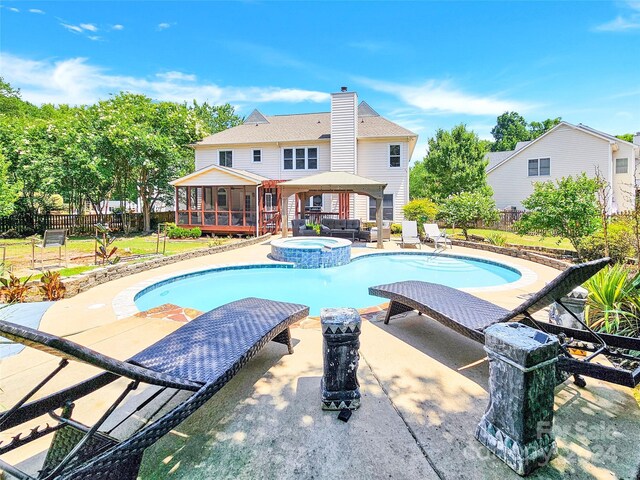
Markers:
point(566, 150)
point(235, 186)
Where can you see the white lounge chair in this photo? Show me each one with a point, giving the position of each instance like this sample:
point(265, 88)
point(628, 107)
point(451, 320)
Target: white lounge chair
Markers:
point(410, 234)
point(433, 233)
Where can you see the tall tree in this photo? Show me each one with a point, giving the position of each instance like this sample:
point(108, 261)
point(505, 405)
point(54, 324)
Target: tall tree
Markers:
point(455, 163)
point(627, 137)
point(215, 118)
point(511, 128)
point(539, 128)
point(8, 190)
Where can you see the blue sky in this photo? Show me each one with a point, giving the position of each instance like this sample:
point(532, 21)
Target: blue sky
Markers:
point(424, 65)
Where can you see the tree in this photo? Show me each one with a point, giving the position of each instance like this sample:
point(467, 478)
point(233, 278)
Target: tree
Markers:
point(455, 163)
point(627, 137)
point(215, 118)
point(8, 191)
point(510, 129)
point(566, 209)
point(465, 209)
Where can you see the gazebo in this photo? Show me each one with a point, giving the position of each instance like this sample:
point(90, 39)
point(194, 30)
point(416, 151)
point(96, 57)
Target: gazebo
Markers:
point(332, 182)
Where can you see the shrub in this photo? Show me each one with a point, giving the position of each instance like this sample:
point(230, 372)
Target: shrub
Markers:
point(13, 289)
point(621, 243)
point(497, 238)
point(10, 234)
point(174, 231)
point(396, 228)
point(613, 303)
point(421, 210)
point(465, 209)
point(52, 288)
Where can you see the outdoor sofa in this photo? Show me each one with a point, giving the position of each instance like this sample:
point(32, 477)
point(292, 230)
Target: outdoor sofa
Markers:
point(470, 316)
point(339, 227)
point(184, 370)
point(299, 229)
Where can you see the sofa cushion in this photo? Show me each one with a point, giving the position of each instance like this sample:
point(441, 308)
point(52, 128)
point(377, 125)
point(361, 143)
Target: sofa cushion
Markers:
point(353, 224)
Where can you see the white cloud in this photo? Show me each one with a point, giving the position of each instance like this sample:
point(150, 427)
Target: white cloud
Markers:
point(89, 27)
point(13, 9)
point(94, 37)
point(163, 26)
point(620, 24)
point(439, 97)
point(36, 10)
point(72, 28)
point(177, 76)
point(77, 82)
point(117, 27)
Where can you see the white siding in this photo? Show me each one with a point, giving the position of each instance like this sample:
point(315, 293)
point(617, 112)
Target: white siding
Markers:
point(271, 165)
point(373, 163)
point(344, 131)
point(624, 183)
point(571, 152)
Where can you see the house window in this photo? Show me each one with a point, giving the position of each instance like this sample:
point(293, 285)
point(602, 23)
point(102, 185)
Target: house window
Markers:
point(314, 203)
point(387, 207)
point(225, 158)
point(394, 155)
point(268, 202)
point(300, 158)
point(539, 167)
point(257, 156)
point(622, 165)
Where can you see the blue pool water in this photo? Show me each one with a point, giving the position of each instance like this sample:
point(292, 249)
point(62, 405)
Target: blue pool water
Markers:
point(344, 286)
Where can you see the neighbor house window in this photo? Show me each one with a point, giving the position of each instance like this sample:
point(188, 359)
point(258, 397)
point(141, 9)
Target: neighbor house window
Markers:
point(387, 208)
point(257, 156)
point(622, 165)
point(300, 158)
point(225, 158)
point(394, 155)
point(539, 167)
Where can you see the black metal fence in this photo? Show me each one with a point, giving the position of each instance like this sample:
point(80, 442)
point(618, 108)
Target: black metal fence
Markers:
point(25, 224)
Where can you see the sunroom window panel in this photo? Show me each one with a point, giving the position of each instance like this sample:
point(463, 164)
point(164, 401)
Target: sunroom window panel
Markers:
point(182, 198)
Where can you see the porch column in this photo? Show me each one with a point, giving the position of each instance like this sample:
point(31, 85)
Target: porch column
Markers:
point(284, 208)
point(379, 222)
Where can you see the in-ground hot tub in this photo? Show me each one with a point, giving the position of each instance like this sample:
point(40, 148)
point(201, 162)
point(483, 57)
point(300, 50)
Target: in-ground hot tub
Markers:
point(312, 252)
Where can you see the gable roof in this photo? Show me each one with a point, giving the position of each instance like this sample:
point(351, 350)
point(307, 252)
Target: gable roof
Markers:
point(306, 127)
point(249, 177)
point(498, 158)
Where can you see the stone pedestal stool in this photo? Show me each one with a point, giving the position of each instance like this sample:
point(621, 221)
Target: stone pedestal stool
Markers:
point(517, 424)
point(341, 332)
point(574, 303)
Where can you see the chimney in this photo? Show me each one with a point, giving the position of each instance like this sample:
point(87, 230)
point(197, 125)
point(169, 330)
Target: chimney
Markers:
point(636, 138)
point(344, 131)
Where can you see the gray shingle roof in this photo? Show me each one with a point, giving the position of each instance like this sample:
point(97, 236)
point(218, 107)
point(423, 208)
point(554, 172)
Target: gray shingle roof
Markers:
point(496, 157)
point(305, 127)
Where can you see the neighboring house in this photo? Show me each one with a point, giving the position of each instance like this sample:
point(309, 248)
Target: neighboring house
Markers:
point(566, 150)
point(235, 186)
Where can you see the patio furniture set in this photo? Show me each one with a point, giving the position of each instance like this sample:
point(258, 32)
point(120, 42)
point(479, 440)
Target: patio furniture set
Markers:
point(190, 365)
point(338, 227)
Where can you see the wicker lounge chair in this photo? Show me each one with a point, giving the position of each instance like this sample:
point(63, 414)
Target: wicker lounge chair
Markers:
point(410, 234)
point(432, 233)
point(470, 316)
point(193, 362)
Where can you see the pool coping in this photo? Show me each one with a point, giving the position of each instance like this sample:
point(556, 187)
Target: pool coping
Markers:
point(124, 306)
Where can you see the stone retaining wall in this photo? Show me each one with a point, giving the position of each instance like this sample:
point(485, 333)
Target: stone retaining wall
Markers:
point(84, 281)
point(515, 252)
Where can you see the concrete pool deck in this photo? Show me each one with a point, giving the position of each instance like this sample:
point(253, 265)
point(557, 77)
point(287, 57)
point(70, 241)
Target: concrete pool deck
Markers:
point(424, 390)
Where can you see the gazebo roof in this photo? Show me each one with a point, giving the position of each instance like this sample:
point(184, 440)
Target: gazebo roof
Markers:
point(332, 182)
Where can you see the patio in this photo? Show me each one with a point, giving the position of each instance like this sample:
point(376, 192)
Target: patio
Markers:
point(424, 390)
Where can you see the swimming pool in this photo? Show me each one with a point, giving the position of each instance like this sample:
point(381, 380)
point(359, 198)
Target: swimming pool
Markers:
point(344, 286)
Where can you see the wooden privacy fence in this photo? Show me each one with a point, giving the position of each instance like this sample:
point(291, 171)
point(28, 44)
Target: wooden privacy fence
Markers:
point(79, 224)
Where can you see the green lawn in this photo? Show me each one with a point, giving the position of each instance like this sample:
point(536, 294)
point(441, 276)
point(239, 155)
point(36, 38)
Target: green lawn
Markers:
point(18, 252)
point(526, 240)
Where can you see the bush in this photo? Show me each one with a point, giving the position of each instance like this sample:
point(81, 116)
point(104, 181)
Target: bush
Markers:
point(178, 232)
point(497, 238)
point(465, 209)
point(421, 210)
point(621, 243)
point(52, 287)
point(11, 233)
point(396, 228)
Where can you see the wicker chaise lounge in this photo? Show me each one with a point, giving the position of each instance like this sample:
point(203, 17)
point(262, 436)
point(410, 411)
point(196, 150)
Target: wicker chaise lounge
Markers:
point(193, 362)
point(470, 316)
